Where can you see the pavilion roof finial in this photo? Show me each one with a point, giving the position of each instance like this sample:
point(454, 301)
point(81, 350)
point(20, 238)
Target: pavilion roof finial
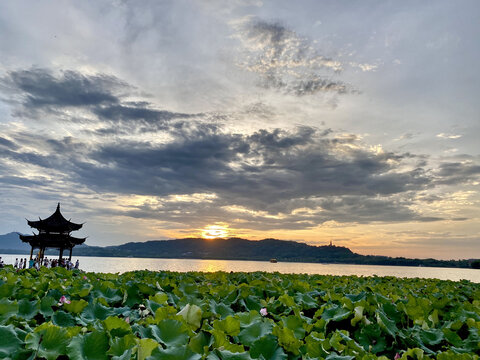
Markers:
point(55, 222)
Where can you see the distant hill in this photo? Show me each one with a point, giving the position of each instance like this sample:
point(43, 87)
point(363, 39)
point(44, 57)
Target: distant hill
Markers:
point(262, 250)
point(230, 249)
point(11, 244)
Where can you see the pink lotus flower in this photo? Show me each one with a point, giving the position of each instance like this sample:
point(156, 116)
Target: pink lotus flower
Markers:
point(397, 356)
point(263, 312)
point(63, 300)
point(127, 319)
point(84, 277)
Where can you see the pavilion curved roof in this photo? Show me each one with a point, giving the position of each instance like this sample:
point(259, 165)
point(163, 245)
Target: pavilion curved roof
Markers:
point(52, 240)
point(55, 223)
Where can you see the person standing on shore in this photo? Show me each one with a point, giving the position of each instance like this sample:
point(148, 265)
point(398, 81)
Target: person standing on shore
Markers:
point(16, 263)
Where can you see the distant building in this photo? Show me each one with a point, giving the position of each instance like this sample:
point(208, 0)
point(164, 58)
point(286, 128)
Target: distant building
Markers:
point(53, 232)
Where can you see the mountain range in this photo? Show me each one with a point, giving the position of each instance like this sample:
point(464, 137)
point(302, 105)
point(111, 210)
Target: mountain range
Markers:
point(234, 249)
point(11, 244)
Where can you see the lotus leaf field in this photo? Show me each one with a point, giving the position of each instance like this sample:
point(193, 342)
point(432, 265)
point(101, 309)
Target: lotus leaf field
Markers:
point(60, 314)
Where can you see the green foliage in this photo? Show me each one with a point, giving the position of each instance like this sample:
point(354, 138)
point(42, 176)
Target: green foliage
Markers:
point(192, 314)
point(170, 332)
point(214, 316)
point(268, 347)
point(174, 353)
point(9, 341)
point(48, 341)
point(145, 348)
point(92, 346)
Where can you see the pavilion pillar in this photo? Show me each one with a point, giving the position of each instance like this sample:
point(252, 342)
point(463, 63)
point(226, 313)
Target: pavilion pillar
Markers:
point(70, 257)
point(31, 253)
point(61, 254)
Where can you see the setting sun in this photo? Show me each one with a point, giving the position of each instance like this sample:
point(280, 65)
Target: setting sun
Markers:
point(215, 231)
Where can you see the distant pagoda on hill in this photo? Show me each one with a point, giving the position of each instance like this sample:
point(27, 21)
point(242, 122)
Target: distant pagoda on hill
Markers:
point(53, 232)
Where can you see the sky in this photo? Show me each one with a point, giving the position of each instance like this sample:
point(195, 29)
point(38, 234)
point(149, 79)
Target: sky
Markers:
point(355, 122)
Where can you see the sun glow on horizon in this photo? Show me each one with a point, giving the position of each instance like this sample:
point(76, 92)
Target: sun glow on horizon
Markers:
point(218, 230)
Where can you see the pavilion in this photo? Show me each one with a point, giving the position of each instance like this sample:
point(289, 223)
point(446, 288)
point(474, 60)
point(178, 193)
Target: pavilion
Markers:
point(53, 232)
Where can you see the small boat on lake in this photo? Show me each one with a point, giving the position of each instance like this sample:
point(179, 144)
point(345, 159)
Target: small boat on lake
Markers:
point(273, 260)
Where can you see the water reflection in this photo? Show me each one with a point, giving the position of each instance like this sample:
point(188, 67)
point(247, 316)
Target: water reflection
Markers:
point(120, 265)
point(211, 266)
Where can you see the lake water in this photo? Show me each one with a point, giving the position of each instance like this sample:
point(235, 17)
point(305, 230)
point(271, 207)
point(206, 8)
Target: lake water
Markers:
point(120, 265)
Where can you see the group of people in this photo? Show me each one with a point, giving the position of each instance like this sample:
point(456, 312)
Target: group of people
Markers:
point(38, 262)
point(21, 265)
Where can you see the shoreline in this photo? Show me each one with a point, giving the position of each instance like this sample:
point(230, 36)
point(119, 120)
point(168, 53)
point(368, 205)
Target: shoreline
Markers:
point(306, 261)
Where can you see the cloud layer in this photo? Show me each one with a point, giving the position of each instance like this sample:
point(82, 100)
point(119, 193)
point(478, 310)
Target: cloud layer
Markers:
point(294, 178)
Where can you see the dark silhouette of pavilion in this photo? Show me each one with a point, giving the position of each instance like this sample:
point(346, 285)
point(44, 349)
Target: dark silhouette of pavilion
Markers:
point(53, 232)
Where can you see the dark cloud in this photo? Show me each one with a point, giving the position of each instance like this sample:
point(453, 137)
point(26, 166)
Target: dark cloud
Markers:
point(366, 209)
point(453, 173)
point(29, 157)
point(39, 88)
point(66, 146)
point(316, 84)
point(7, 143)
point(137, 112)
point(288, 62)
point(279, 139)
point(39, 92)
point(184, 166)
point(19, 181)
point(429, 198)
point(275, 35)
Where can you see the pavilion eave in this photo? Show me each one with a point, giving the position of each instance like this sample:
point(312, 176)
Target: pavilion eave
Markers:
point(51, 241)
